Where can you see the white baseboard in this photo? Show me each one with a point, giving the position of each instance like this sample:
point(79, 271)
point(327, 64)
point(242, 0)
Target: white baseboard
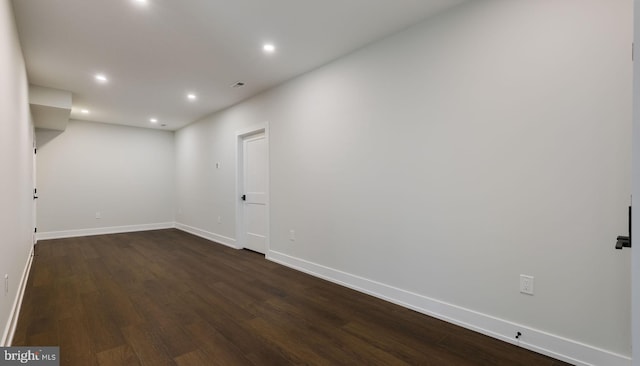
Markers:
point(103, 230)
point(538, 341)
point(230, 242)
point(10, 329)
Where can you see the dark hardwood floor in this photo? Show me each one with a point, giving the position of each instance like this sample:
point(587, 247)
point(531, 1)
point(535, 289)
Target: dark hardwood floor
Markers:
point(169, 298)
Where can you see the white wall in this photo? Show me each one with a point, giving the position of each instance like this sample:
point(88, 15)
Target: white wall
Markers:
point(198, 149)
point(447, 160)
point(16, 165)
point(635, 272)
point(125, 173)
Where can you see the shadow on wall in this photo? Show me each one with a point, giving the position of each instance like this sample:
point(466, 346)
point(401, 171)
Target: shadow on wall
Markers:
point(43, 136)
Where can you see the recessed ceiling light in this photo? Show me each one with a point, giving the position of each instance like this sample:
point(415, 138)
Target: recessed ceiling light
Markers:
point(101, 78)
point(153, 120)
point(141, 2)
point(191, 96)
point(84, 111)
point(269, 48)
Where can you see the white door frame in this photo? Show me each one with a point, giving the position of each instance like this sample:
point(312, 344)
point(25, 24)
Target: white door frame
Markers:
point(35, 194)
point(635, 192)
point(240, 224)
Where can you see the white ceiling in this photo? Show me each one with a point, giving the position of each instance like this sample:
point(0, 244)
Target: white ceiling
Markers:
point(155, 54)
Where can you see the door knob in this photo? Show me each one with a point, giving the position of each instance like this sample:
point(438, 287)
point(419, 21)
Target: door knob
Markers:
point(244, 197)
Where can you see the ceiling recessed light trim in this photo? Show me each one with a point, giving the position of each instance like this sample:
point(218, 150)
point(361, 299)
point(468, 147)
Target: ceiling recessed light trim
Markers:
point(268, 48)
point(153, 120)
point(192, 96)
point(84, 111)
point(101, 78)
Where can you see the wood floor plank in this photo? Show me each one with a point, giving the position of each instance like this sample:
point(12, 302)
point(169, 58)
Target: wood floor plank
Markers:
point(43, 317)
point(241, 295)
point(298, 350)
point(166, 297)
point(197, 357)
point(66, 299)
point(75, 343)
point(239, 335)
point(117, 302)
point(105, 334)
point(330, 342)
point(42, 277)
point(216, 346)
point(45, 339)
point(487, 352)
point(425, 353)
point(118, 356)
point(147, 345)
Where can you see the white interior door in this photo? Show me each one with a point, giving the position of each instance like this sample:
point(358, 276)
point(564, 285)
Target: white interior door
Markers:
point(255, 165)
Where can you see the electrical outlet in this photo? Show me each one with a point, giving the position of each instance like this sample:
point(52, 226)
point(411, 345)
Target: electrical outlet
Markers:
point(526, 284)
point(292, 235)
point(98, 215)
point(218, 165)
point(219, 219)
